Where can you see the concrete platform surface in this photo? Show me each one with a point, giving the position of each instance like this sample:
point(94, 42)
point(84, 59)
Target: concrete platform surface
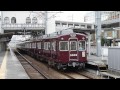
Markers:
point(94, 60)
point(10, 67)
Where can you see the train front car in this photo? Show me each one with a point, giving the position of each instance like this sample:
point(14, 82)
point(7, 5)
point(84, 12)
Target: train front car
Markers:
point(72, 51)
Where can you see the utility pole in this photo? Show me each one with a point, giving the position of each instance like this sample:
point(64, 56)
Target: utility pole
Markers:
point(98, 31)
point(45, 22)
point(1, 29)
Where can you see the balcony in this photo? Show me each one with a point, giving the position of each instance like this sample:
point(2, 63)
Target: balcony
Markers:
point(111, 21)
point(22, 26)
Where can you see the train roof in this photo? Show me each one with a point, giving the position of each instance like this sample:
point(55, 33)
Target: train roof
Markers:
point(62, 33)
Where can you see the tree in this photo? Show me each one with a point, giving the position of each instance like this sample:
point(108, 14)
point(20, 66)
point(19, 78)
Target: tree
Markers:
point(102, 41)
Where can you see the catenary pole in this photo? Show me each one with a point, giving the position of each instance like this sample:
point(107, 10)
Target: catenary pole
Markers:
point(98, 31)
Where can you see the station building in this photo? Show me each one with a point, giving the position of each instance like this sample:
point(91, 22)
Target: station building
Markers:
point(20, 21)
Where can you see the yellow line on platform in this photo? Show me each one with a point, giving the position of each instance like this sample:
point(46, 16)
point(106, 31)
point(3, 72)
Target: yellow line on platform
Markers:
point(3, 66)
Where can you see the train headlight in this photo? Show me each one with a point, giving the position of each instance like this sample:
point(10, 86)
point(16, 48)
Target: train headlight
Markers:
point(62, 38)
point(83, 54)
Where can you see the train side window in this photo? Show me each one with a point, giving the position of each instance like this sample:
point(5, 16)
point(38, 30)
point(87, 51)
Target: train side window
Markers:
point(39, 45)
point(42, 45)
point(81, 45)
point(27, 45)
point(33, 45)
point(53, 45)
point(30, 45)
point(63, 46)
point(48, 46)
point(54, 48)
point(45, 45)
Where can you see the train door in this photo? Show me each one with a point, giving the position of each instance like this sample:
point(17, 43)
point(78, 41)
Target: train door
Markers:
point(73, 50)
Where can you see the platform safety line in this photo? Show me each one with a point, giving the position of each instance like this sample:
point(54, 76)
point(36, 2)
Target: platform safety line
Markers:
point(3, 66)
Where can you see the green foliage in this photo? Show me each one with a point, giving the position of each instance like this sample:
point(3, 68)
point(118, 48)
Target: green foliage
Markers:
point(102, 41)
point(107, 42)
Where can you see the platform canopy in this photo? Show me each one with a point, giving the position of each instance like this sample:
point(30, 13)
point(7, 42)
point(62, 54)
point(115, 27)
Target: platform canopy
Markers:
point(6, 37)
point(83, 30)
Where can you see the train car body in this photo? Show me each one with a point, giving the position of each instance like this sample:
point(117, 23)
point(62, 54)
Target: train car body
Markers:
point(60, 49)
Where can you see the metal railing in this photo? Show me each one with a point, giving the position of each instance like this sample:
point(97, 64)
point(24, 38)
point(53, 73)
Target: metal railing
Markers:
point(21, 26)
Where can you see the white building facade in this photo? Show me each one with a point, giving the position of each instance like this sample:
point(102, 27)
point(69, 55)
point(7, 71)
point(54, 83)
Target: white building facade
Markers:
point(19, 20)
point(67, 24)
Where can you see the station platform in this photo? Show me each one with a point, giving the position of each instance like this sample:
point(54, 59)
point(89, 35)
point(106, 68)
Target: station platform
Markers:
point(94, 60)
point(99, 63)
point(10, 67)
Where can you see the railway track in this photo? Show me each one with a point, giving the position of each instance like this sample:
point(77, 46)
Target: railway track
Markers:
point(87, 76)
point(53, 73)
point(70, 77)
point(74, 75)
point(33, 69)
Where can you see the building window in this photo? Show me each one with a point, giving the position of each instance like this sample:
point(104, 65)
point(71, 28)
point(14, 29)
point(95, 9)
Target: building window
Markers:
point(89, 27)
point(34, 20)
point(64, 25)
point(70, 25)
point(76, 26)
point(6, 20)
point(82, 26)
point(28, 20)
point(57, 24)
point(13, 20)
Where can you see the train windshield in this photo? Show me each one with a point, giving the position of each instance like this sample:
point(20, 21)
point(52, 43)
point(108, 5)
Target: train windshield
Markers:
point(81, 45)
point(63, 46)
point(73, 45)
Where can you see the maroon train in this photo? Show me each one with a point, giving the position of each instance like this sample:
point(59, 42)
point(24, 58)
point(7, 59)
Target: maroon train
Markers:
point(61, 50)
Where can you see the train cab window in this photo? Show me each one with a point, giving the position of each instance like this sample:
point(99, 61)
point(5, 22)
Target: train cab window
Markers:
point(73, 45)
point(81, 45)
point(63, 46)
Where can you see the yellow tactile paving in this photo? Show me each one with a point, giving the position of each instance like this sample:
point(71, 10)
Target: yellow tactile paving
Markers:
point(3, 66)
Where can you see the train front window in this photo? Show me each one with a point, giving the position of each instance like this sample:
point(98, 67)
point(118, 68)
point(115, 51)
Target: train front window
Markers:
point(81, 45)
point(63, 46)
point(73, 45)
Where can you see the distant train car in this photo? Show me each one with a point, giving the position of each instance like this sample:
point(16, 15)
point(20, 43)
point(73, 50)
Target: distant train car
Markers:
point(62, 49)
